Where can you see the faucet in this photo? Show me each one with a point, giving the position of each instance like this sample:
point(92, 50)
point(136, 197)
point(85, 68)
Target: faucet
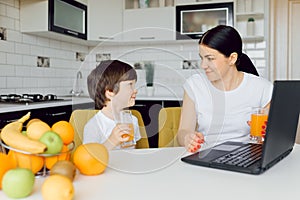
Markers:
point(77, 92)
point(79, 75)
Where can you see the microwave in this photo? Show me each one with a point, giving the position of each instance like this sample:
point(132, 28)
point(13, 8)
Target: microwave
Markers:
point(195, 19)
point(68, 17)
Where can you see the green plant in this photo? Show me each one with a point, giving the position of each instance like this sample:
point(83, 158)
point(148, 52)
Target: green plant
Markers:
point(251, 19)
point(149, 69)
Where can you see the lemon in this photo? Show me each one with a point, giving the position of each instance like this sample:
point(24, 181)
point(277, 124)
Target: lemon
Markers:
point(57, 187)
point(36, 129)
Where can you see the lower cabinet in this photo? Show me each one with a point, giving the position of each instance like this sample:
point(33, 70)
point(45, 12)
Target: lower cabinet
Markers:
point(49, 115)
point(149, 110)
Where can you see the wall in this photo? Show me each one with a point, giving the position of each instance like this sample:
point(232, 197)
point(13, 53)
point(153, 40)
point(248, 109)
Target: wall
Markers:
point(168, 59)
point(18, 58)
point(20, 74)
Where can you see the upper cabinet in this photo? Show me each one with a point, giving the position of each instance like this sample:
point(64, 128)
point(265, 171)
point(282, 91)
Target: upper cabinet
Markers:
point(58, 19)
point(105, 20)
point(137, 20)
point(152, 20)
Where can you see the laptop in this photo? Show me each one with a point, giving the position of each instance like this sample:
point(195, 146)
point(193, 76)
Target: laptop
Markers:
point(279, 140)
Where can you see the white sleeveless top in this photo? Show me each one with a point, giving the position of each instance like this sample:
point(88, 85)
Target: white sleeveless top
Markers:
point(223, 115)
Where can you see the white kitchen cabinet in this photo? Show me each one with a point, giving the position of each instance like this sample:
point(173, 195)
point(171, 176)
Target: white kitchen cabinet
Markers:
point(179, 2)
point(34, 19)
point(136, 4)
point(105, 20)
point(149, 24)
point(246, 9)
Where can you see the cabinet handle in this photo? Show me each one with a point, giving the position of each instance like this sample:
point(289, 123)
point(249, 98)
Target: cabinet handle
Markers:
point(147, 38)
point(140, 105)
point(10, 120)
point(71, 32)
point(57, 114)
point(105, 38)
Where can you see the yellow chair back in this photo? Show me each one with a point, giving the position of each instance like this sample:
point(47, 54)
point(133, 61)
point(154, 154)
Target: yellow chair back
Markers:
point(298, 133)
point(79, 118)
point(143, 142)
point(168, 123)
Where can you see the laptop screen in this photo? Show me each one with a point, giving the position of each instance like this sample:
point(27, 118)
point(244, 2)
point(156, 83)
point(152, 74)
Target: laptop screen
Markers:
point(282, 121)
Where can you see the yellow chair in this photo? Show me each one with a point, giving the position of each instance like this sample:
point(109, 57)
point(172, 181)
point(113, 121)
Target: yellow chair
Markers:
point(143, 142)
point(298, 133)
point(168, 123)
point(79, 118)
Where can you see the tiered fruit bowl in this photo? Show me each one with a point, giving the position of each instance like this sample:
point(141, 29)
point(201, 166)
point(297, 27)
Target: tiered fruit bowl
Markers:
point(39, 164)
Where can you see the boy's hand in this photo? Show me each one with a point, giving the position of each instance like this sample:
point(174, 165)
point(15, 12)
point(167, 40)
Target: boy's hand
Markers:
point(117, 135)
point(193, 141)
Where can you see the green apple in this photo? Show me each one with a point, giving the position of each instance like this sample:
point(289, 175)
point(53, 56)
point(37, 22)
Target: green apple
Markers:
point(53, 142)
point(18, 182)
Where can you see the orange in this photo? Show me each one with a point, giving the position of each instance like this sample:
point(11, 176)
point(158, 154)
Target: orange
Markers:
point(36, 129)
point(57, 187)
point(65, 130)
point(65, 155)
point(91, 158)
point(32, 162)
point(5, 164)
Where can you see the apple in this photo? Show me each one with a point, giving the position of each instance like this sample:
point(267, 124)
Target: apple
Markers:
point(24, 133)
point(18, 182)
point(53, 142)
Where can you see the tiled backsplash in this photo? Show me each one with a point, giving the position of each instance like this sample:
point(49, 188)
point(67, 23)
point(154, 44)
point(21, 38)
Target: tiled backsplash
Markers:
point(20, 74)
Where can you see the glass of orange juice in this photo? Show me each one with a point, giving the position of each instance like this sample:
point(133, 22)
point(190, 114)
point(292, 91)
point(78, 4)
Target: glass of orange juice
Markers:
point(125, 119)
point(259, 118)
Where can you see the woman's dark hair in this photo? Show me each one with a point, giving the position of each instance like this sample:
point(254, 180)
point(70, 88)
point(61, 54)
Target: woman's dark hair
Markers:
point(107, 76)
point(227, 40)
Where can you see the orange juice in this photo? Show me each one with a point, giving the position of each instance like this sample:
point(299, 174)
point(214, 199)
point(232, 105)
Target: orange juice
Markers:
point(257, 121)
point(130, 134)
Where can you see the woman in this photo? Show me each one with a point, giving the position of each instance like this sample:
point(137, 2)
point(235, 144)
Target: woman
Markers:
point(217, 104)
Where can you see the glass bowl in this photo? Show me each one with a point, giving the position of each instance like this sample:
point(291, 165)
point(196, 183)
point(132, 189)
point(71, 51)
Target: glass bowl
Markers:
point(39, 164)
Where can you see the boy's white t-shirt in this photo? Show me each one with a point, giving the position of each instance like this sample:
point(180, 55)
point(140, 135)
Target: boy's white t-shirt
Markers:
point(223, 115)
point(99, 128)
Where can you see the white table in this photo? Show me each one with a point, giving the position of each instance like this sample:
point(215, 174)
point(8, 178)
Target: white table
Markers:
point(159, 174)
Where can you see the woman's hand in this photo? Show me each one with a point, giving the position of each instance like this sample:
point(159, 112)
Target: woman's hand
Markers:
point(264, 127)
point(193, 141)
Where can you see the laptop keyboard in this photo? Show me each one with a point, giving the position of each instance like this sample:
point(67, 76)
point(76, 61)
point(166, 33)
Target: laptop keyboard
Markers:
point(242, 157)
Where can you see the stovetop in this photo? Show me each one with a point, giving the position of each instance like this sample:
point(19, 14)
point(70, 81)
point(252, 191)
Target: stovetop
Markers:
point(28, 98)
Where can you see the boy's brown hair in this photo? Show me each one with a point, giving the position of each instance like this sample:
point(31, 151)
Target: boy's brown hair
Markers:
point(107, 76)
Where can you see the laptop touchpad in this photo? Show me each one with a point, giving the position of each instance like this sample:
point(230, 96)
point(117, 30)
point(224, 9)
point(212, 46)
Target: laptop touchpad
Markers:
point(226, 147)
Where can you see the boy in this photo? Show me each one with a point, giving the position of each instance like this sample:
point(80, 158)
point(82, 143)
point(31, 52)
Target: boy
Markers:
point(112, 86)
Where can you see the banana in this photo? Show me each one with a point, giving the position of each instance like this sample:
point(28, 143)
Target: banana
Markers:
point(12, 136)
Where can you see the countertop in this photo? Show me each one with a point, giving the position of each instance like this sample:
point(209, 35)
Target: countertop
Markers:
point(10, 107)
point(159, 98)
point(68, 100)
